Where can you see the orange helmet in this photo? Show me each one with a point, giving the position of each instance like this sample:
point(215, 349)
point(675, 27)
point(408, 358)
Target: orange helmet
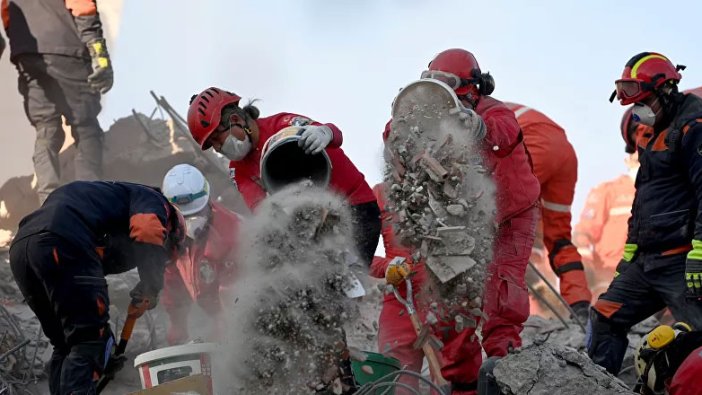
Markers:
point(205, 113)
point(643, 74)
point(459, 69)
point(632, 131)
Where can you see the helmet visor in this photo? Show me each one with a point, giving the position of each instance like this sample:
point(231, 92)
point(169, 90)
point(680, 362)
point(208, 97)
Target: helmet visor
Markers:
point(449, 79)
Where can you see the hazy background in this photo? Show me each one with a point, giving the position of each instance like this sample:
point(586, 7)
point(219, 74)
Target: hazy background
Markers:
point(344, 61)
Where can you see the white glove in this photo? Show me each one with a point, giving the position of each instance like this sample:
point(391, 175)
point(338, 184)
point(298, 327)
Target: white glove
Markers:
point(313, 139)
point(473, 122)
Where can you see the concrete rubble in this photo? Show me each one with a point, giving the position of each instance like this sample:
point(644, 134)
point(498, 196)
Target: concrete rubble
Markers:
point(287, 327)
point(444, 202)
point(552, 369)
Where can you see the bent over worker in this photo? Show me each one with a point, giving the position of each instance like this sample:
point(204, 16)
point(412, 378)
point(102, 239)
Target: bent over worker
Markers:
point(61, 254)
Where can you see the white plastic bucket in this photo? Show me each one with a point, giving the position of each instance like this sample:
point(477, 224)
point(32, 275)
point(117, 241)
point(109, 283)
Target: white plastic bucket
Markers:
point(171, 363)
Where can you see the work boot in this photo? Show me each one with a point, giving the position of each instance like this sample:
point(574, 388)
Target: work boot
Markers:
point(582, 311)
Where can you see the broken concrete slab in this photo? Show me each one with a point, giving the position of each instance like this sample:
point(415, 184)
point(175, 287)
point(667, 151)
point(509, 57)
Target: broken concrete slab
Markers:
point(550, 369)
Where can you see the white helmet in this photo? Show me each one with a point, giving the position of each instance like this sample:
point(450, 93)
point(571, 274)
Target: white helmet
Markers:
point(186, 187)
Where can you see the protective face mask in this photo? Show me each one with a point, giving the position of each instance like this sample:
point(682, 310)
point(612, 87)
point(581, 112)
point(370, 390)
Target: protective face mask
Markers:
point(643, 114)
point(195, 225)
point(235, 149)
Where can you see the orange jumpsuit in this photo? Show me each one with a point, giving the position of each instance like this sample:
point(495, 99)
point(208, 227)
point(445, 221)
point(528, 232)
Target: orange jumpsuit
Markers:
point(556, 168)
point(603, 227)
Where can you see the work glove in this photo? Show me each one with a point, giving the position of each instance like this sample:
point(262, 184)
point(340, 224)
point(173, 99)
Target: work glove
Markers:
point(313, 139)
point(628, 256)
point(473, 122)
point(102, 77)
point(693, 271)
point(582, 311)
point(143, 299)
point(487, 385)
point(397, 271)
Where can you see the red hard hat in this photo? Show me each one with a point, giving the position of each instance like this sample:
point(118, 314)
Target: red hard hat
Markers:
point(205, 113)
point(632, 131)
point(464, 65)
point(643, 74)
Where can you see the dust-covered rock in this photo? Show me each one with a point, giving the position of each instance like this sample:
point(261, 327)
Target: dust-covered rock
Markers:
point(551, 369)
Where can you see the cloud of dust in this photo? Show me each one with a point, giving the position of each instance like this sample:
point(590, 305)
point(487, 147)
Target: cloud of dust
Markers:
point(285, 332)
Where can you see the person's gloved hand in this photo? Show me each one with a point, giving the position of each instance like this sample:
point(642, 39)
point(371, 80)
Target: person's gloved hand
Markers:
point(693, 278)
point(472, 121)
point(142, 299)
point(582, 311)
point(114, 365)
point(487, 385)
point(628, 256)
point(397, 271)
point(102, 77)
point(313, 138)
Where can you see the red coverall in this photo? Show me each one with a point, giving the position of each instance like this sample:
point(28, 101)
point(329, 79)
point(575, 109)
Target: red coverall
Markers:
point(200, 273)
point(345, 178)
point(556, 168)
point(687, 378)
point(603, 227)
point(506, 300)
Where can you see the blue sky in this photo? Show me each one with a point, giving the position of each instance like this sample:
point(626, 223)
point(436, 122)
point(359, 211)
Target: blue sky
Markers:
point(344, 61)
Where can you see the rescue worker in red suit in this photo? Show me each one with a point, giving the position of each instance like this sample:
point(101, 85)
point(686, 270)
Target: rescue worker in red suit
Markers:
point(662, 261)
point(556, 167)
point(206, 265)
point(600, 234)
point(216, 120)
point(61, 254)
point(506, 300)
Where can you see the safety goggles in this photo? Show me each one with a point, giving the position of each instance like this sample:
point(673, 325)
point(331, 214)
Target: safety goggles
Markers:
point(449, 79)
point(187, 198)
point(630, 90)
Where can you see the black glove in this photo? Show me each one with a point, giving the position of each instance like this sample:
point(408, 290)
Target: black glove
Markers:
point(114, 365)
point(487, 385)
point(582, 311)
point(143, 297)
point(102, 77)
point(693, 278)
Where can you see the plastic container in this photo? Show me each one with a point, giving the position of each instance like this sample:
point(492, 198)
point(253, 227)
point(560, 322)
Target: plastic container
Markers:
point(373, 368)
point(172, 363)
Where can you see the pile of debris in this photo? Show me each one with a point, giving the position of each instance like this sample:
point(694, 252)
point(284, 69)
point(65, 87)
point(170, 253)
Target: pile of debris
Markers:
point(444, 203)
point(290, 307)
point(23, 347)
point(549, 368)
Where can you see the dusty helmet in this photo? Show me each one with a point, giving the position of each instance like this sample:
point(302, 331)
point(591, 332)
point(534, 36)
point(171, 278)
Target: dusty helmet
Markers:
point(186, 187)
point(461, 64)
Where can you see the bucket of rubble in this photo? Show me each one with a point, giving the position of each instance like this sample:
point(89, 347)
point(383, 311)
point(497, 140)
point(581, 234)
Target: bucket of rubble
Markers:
point(172, 363)
point(283, 162)
point(373, 370)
